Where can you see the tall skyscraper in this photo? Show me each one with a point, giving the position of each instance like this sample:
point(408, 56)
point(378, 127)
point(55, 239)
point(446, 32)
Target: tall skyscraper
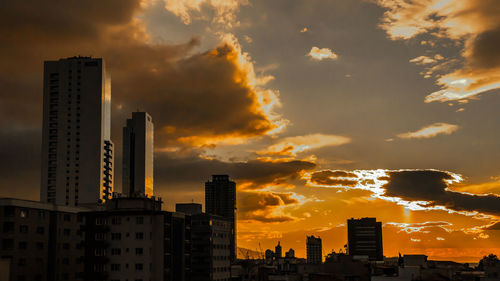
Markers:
point(314, 250)
point(278, 251)
point(365, 238)
point(77, 151)
point(220, 199)
point(138, 155)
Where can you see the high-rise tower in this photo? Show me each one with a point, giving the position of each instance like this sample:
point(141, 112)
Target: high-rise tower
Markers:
point(314, 250)
point(77, 151)
point(365, 238)
point(138, 137)
point(220, 199)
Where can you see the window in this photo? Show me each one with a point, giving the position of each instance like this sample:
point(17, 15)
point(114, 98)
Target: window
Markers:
point(67, 217)
point(138, 266)
point(8, 227)
point(116, 251)
point(139, 220)
point(7, 244)
point(9, 211)
point(115, 267)
point(67, 232)
point(116, 220)
point(65, 261)
point(99, 252)
point(23, 229)
point(138, 251)
point(23, 213)
point(39, 245)
point(21, 262)
point(66, 246)
point(139, 235)
point(100, 221)
point(100, 236)
point(40, 230)
point(23, 245)
point(116, 236)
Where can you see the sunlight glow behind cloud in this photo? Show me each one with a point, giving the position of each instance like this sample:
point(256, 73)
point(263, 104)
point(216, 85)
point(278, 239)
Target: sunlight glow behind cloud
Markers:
point(430, 131)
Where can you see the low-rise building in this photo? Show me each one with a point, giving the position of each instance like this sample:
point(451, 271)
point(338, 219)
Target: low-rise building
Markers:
point(211, 248)
point(41, 241)
point(130, 238)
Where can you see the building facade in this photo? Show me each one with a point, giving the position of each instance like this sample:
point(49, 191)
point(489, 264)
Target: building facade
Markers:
point(76, 127)
point(220, 200)
point(365, 238)
point(40, 241)
point(132, 239)
point(211, 248)
point(314, 249)
point(138, 137)
point(188, 208)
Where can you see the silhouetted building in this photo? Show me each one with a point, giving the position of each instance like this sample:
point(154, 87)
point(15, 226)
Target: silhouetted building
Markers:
point(211, 248)
point(138, 137)
point(278, 251)
point(365, 238)
point(269, 255)
point(132, 239)
point(220, 200)
point(188, 208)
point(41, 241)
point(76, 129)
point(314, 249)
point(290, 253)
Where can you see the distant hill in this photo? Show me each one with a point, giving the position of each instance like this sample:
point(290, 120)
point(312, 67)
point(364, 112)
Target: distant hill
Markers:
point(244, 253)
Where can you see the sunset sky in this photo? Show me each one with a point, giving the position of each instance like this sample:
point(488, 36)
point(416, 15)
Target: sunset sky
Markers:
point(320, 110)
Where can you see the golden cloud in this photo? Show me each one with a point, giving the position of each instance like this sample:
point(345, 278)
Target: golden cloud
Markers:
point(291, 146)
point(470, 21)
point(426, 60)
point(322, 54)
point(416, 190)
point(430, 131)
point(225, 10)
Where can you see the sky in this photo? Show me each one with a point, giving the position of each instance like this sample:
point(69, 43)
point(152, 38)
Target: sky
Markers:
point(320, 110)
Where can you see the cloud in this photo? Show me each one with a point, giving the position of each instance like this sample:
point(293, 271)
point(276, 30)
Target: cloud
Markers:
point(426, 60)
point(414, 189)
point(224, 10)
point(473, 22)
point(290, 146)
point(322, 54)
point(430, 131)
point(179, 87)
point(421, 227)
point(267, 207)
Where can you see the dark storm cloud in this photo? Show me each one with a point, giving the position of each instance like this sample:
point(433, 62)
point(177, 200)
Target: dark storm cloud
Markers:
point(255, 173)
point(328, 177)
point(484, 47)
point(194, 98)
point(431, 186)
point(259, 206)
point(173, 172)
point(412, 186)
point(19, 163)
point(181, 91)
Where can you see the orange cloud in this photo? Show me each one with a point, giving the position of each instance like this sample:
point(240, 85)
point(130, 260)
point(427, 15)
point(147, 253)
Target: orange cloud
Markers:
point(470, 21)
point(426, 60)
point(225, 10)
point(417, 190)
point(291, 146)
point(322, 54)
point(430, 131)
